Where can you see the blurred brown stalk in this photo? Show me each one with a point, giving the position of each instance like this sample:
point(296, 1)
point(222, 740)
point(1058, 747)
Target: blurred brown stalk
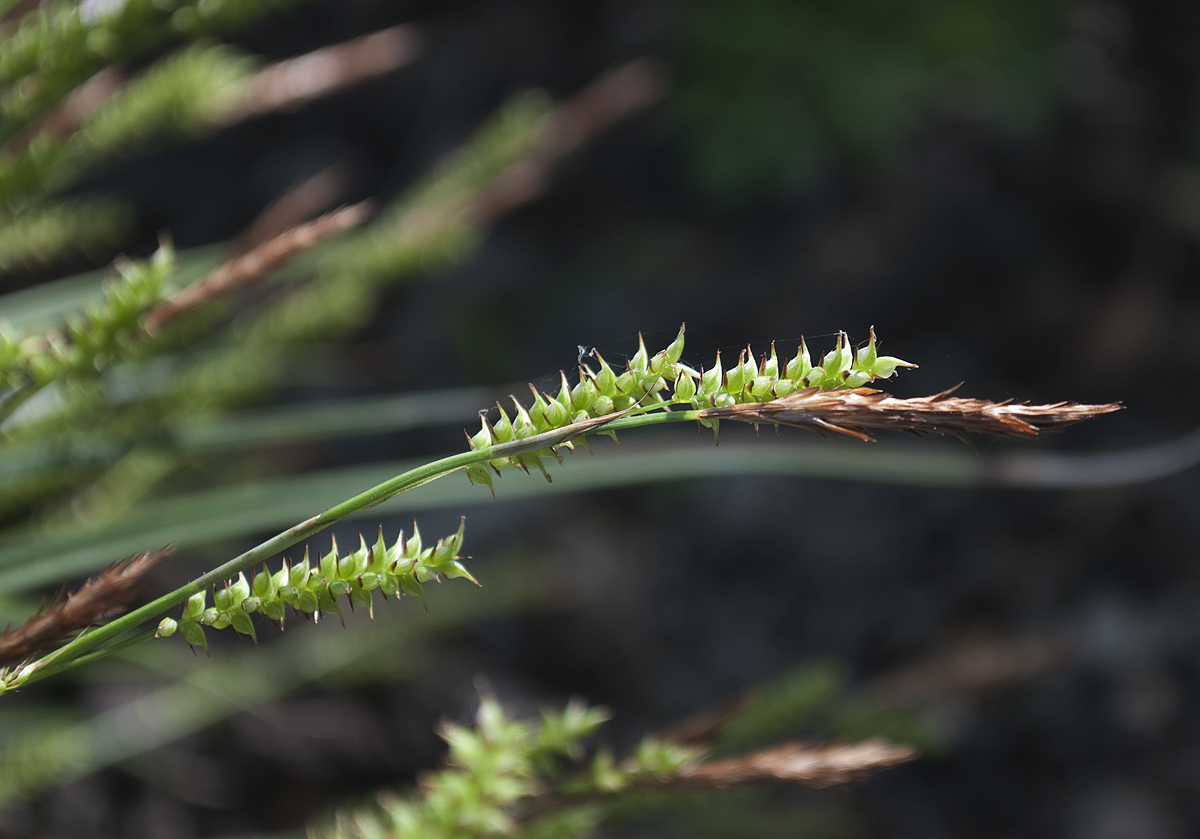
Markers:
point(796, 763)
point(103, 596)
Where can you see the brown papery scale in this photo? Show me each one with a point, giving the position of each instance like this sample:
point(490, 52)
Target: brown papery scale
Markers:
point(858, 411)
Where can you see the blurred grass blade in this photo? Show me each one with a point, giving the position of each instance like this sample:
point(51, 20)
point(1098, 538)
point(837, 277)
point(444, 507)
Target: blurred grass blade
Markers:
point(37, 559)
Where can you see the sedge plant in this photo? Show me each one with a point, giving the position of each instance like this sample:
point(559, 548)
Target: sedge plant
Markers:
point(828, 396)
point(69, 102)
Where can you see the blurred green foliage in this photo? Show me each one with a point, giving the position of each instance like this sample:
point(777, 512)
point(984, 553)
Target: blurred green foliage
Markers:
point(817, 701)
point(771, 91)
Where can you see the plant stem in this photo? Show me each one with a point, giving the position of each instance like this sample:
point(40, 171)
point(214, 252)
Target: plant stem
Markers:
point(87, 645)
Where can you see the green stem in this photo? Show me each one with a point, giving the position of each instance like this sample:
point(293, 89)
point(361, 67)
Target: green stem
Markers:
point(88, 644)
point(61, 666)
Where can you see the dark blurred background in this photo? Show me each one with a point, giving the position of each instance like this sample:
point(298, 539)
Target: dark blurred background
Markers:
point(1009, 192)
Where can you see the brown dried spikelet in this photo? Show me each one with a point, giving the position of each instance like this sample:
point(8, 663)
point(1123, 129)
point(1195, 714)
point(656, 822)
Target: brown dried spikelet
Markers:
point(859, 410)
point(799, 764)
point(103, 596)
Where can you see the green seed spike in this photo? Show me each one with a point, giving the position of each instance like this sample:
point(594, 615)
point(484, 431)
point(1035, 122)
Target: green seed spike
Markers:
point(661, 381)
point(399, 569)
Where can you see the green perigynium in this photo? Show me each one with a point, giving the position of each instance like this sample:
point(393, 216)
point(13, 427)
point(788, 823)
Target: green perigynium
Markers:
point(316, 588)
point(661, 381)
